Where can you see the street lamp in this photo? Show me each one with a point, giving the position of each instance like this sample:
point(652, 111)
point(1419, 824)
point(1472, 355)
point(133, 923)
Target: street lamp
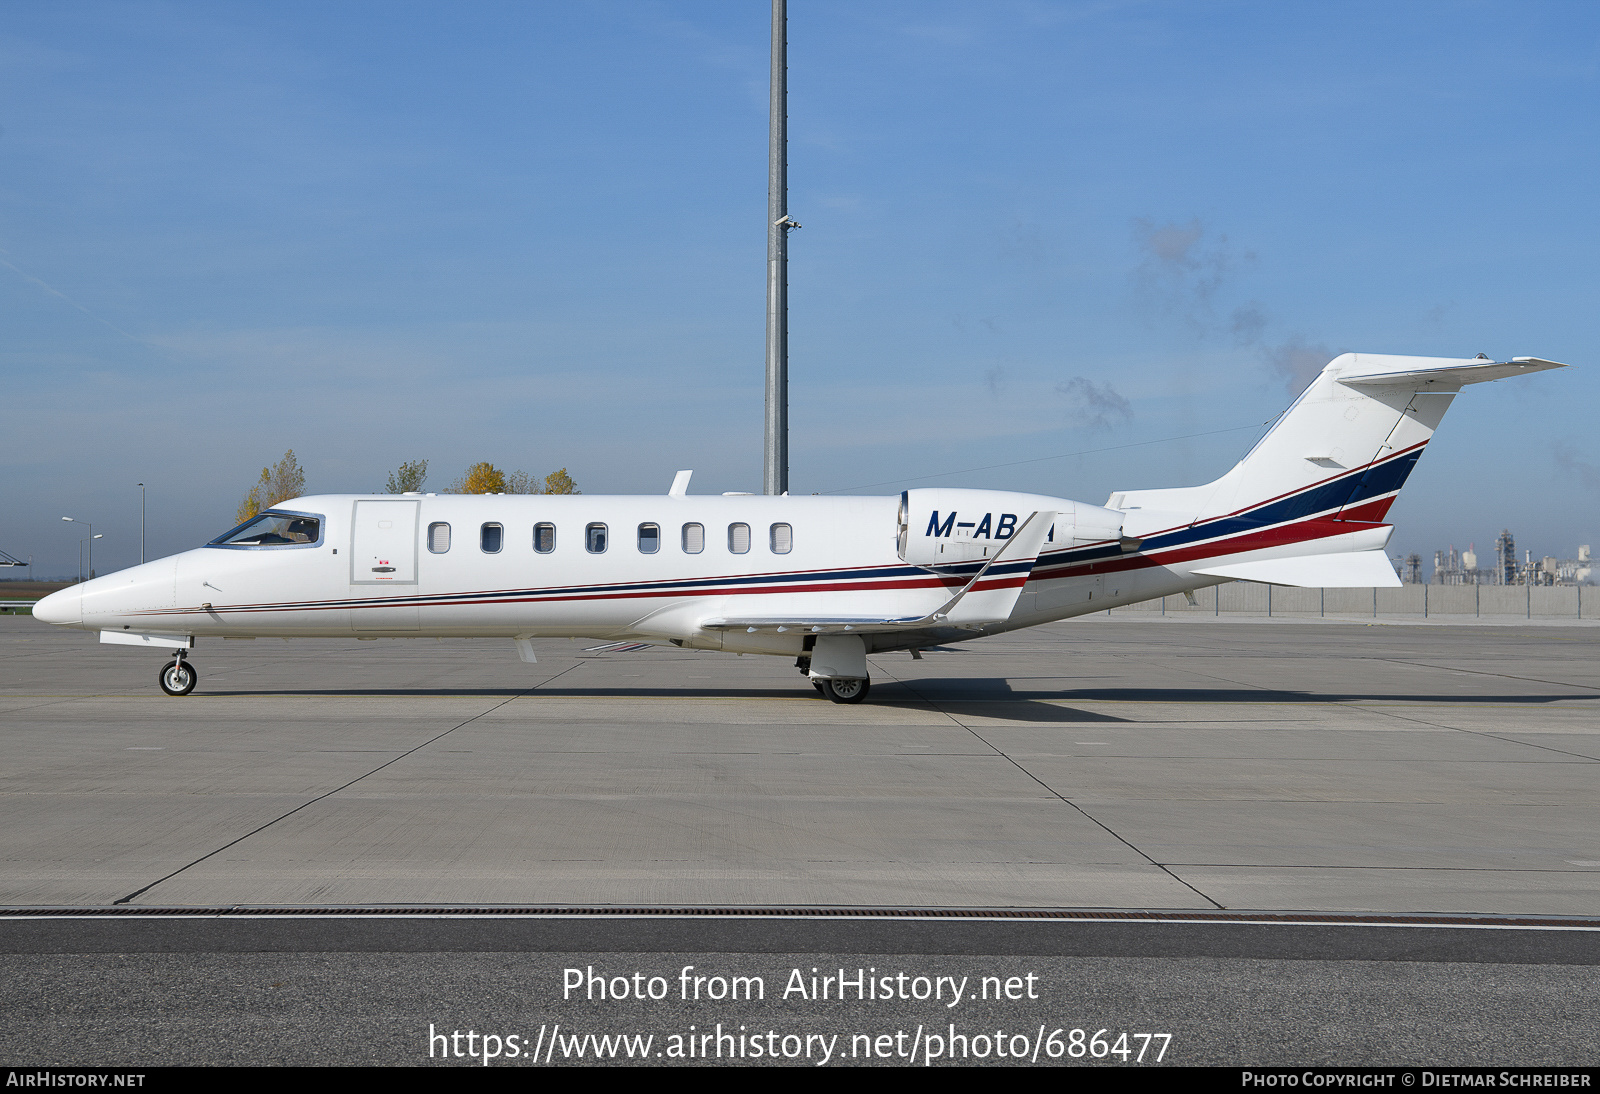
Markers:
point(141, 523)
point(80, 546)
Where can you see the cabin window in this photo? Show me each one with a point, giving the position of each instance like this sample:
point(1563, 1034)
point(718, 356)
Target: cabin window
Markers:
point(649, 538)
point(490, 537)
point(438, 537)
point(594, 539)
point(739, 538)
point(694, 538)
point(782, 539)
point(544, 538)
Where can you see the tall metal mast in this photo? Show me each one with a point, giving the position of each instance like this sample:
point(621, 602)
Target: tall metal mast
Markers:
point(775, 479)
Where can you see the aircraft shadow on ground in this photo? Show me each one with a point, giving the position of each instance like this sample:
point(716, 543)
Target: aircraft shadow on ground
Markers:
point(979, 704)
point(515, 692)
point(980, 689)
point(968, 692)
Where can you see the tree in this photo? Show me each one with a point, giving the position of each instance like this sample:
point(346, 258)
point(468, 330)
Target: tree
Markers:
point(486, 478)
point(408, 479)
point(280, 482)
point(481, 478)
point(559, 482)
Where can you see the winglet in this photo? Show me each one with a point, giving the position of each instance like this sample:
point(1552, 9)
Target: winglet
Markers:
point(680, 484)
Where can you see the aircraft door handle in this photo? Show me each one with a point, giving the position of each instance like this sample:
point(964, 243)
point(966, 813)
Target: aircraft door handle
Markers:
point(383, 569)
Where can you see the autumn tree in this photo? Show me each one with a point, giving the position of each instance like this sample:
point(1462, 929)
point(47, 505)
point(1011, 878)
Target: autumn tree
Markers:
point(280, 482)
point(559, 482)
point(480, 478)
point(486, 478)
point(408, 479)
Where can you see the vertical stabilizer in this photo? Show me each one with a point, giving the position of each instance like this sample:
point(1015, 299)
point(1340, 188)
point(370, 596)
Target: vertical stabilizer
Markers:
point(1342, 451)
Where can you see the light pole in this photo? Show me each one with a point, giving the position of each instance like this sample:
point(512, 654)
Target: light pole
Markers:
point(775, 458)
point(141, 524)
point(80, 547)
point(90, 541)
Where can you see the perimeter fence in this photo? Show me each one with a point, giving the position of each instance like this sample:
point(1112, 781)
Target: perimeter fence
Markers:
point(1240, 598)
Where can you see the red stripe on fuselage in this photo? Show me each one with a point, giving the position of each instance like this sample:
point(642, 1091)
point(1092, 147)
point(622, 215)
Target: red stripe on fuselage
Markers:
point(1015, 581)
point(1363, 508)
point(1297, 532)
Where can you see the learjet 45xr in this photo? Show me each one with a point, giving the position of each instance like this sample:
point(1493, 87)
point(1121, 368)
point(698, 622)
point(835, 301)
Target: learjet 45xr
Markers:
point(823, 580)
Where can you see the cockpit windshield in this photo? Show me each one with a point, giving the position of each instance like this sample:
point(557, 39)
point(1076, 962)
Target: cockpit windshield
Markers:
point(274, 529)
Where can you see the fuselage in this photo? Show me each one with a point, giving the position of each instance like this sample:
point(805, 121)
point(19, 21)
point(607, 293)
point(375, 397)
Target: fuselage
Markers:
point(609, 567)
point(827, 580)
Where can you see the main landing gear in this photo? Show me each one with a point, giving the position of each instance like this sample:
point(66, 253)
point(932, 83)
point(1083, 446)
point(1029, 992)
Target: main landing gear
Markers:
point(841, 690)
point(178, 676)
point(838, 689)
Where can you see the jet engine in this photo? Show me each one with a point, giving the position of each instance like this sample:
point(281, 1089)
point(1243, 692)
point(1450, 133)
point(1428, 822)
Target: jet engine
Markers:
point(948, 527)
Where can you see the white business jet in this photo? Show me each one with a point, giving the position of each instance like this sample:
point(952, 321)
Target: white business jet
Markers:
point(823, 580)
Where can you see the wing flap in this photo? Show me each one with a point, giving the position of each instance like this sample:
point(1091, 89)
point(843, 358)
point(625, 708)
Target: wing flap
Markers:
point(833, 624)
point(991, 602)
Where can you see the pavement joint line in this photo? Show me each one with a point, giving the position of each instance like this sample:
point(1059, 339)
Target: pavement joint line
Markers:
point(1422, 802)
point(1485, 672)
point(1169, 872)
point(1057, 794)
point(1491, 736)
point(329, 794)
point(1532, 744)
point(1187, 917)
point(1416, 869)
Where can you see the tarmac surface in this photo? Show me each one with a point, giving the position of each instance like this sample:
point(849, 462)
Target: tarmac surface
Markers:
point(1213, 767)
point(1088, 765)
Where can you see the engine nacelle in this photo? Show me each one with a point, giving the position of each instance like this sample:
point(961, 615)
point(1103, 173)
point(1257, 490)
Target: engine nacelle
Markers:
point(946, 527)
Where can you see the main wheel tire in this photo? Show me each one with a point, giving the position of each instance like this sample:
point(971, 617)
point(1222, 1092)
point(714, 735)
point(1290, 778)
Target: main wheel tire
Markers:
point(842, 690)
point(178, 678)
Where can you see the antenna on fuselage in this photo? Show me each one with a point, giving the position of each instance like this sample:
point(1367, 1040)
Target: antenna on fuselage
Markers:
point(775, 464)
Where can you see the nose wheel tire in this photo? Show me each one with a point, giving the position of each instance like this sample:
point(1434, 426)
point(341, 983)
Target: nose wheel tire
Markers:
point(178, 678)
point(842, 690)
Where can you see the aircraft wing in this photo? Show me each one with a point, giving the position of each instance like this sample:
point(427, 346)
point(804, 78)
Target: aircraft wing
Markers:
point(833, 624)
point(989, 606)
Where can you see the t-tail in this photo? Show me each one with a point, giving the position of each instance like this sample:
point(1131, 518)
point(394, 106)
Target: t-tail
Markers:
point(1306, 505)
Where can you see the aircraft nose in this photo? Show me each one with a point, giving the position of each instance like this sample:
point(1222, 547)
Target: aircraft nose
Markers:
point(62, 606)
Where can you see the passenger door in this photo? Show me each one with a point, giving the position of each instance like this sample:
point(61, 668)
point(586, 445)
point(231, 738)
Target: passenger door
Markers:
point(383, 556)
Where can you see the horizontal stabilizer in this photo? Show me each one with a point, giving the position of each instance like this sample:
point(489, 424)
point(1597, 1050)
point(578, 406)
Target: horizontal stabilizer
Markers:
point(1360, 570)
point(1373, 368)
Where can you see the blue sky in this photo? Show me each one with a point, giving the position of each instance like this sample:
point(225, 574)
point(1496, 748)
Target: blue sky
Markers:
point(533, 234)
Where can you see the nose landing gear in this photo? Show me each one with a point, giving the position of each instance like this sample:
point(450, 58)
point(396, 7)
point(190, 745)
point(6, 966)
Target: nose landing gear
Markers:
point(178, 677)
